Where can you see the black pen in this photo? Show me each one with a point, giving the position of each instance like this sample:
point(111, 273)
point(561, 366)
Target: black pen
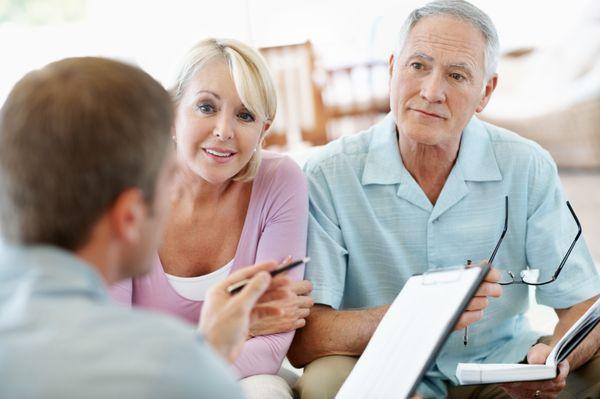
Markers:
point(466, 336)
point(237, 287)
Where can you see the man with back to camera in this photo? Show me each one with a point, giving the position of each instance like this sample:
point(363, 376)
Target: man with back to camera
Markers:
point(424, 189)
point(85, 165)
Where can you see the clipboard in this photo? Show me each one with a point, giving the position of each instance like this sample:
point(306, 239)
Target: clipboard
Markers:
point(412, 332)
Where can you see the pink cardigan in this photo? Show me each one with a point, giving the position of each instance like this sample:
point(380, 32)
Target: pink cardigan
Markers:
point(275, 227)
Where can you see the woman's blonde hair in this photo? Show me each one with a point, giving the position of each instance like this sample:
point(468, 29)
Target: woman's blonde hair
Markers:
point(251, 78)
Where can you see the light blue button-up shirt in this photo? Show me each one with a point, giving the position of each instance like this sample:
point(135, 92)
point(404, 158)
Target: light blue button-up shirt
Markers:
point(371, 227)
point(60, 337)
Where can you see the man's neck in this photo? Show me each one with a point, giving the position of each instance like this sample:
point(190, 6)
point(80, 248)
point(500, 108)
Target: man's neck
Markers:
point(429, 165)
point(100, 254)
point(99, 264)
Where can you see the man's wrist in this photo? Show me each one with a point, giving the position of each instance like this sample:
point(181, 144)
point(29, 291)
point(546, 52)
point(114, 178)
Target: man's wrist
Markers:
point(220, 347)
point(214, 341)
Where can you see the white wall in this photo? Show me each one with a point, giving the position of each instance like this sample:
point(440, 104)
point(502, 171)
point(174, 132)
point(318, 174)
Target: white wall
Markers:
point(154, 34)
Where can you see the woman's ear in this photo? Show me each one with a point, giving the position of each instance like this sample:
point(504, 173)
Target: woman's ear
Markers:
point(173, 133)
point(266, 125)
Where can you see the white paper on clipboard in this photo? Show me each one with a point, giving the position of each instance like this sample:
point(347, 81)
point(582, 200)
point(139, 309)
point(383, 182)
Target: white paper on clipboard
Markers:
point(411, 333)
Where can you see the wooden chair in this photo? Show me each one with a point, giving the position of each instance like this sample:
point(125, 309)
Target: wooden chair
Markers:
point(356, 96)
point(349, 98)
point(300, 110)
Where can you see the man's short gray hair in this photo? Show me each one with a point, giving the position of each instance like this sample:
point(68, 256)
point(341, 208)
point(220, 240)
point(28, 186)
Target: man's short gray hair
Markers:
point(466, 12)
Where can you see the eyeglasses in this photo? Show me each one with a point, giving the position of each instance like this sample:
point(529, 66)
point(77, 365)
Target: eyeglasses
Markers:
point(527, 276)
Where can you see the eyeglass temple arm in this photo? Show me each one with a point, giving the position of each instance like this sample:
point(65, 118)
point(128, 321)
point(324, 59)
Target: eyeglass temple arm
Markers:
point(503, 230)
point(564, 260)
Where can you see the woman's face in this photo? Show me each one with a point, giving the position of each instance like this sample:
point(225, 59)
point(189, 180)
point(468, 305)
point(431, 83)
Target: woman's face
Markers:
point(216, 134)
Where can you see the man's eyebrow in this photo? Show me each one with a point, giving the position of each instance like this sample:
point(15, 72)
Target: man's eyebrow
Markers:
point(461, 65)
point(419, 54)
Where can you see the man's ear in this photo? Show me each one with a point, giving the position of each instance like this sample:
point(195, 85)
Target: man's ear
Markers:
point(391, 65)
point(127, 215)
point(487, 92)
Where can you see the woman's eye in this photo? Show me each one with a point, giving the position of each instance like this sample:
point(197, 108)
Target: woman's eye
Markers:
point(205, 108)
point(457, 76)
point(246, 116)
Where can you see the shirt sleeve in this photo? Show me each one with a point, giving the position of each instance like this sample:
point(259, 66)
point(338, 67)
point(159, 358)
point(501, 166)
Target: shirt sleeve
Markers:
point(197, 372)
point(432, 387)
point(550, 231)
point(284, 234)
point(326, 247)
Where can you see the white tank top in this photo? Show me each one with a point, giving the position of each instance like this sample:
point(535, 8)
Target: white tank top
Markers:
point(194, 288)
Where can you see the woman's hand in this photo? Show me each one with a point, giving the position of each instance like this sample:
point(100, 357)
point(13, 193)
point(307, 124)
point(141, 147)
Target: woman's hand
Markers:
point(293, 301)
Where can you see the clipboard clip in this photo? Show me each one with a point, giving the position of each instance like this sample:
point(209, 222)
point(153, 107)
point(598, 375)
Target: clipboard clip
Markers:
point(443, 276)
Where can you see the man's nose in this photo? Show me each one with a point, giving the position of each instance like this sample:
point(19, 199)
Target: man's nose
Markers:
point(433, 88)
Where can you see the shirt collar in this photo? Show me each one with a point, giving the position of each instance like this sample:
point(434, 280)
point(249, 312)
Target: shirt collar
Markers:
point(476, 159)
point(51, 270)
point(383, 164)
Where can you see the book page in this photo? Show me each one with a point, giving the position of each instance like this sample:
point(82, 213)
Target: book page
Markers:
point(477, 373)
point(575, 335)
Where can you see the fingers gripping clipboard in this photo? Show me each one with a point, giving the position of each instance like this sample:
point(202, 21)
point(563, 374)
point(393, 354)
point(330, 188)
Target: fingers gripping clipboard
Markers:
point(411, 333)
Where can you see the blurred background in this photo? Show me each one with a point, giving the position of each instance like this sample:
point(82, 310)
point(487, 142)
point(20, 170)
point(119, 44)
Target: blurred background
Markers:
point(329, 60)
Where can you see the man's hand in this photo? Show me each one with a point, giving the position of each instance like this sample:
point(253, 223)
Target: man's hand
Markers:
point(293, 303)
point(474, 311)
point(539, 389)
point(225, 318)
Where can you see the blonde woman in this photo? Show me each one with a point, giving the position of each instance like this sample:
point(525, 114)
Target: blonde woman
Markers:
point(234, 205)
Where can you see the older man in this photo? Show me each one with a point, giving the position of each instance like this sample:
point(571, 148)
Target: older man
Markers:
point(424, 189)
point(86, 161)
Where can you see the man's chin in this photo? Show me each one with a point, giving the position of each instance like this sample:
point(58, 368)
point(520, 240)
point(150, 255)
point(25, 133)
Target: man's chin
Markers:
point(421, 136)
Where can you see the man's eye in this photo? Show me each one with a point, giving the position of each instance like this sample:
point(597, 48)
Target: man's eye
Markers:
point(457, 76)
point(205, 108)
point(416, 65)
point(246, 116)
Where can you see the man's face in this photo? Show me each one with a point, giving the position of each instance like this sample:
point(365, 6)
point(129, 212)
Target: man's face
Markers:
point(437, 81)
point(139, 257)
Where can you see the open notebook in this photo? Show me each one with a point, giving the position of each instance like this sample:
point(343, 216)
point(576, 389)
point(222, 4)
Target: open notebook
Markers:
point(411, 333)
point(476, 373)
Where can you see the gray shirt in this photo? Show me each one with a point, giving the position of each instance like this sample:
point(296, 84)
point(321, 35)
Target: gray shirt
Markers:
point(61, 337)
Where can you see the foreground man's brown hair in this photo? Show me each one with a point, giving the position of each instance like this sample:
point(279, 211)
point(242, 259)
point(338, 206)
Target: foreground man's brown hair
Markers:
point(73, 136)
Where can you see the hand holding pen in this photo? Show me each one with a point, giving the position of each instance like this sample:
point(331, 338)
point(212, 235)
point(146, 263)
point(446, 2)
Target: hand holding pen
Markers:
point(474, 310)
point(282, 268)
point(489, 287)
point(231, 305)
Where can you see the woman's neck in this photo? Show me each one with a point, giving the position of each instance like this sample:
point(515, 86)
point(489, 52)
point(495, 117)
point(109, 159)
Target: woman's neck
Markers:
point(193, 189)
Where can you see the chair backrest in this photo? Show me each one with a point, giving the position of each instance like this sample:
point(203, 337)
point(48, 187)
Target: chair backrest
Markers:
point(300, 111)
point(356, 96)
